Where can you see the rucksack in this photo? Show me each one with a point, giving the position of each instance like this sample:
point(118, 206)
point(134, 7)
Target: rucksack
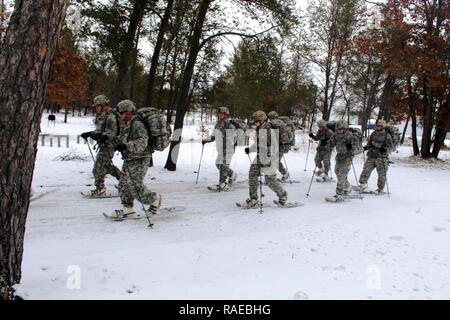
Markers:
point(158, 128)
point(332, 125)
point(357, 141)
point(395, 135)
point(241, 127)
point(291, 129)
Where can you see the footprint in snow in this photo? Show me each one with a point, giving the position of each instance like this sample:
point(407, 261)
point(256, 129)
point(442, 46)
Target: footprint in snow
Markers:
point(439, 229)
point(300, 295)
point(396, 238)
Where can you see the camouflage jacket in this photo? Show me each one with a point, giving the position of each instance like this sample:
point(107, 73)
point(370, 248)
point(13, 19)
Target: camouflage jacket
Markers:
point(108, 123)
point(339, 141)
point(265, 145)
point(225, 137)
point(323, 135)
point(135, 137)
point(377, 141)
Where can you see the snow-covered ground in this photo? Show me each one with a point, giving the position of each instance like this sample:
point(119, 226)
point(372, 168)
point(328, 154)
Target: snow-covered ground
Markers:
point(380, 247)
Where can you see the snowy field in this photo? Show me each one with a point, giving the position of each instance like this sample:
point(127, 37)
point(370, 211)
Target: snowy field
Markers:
point(380, 247)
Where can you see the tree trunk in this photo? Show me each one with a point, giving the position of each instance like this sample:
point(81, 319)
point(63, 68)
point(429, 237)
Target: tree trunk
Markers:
point(34, 25)
point(404, 131)
point(414, 134)
point(442, 127)
point(156, 52)
point(182, 99)
point(127, 51)
point(425, 150)
point(135, 57)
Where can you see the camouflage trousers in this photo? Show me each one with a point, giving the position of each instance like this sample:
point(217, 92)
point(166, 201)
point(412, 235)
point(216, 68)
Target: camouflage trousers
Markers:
point(322, 160)
point(381, 164)
point(270, 178)
point(131, 184)
point(103, 165)
point(223, 165)
point(342, 169)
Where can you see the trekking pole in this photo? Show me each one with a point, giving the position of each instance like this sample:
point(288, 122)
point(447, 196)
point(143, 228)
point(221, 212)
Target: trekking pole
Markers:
point(90, 151)
point(198, 171)
point(285, 164)
point(387, 184)
point(260, 193)
point(310, 183)
point(307, 154)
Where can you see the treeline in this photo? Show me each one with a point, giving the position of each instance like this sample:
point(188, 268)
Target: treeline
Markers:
point(336, 59)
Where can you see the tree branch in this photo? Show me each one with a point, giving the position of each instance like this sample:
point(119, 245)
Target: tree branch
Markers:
point(227, 33)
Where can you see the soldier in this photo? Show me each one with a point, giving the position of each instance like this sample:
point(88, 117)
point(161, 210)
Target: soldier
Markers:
point(379, 145)
point(283, 147)
point(323, 154)
point(343, 140)
point(265, 162)
point(107, 126)
point(225, 133)
point(136, 153)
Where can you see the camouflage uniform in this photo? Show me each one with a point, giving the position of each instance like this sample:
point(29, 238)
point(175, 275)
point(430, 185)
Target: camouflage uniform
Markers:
point(263, 163)
point(343, 160)
point(225, 137)
point(283, 148)
point(107, 124)
point(137, 158)
point(323, 154)
point(377, 157)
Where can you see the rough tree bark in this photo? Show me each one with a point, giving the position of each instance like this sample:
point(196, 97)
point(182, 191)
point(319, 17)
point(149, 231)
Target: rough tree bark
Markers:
point(182, 99)
point(34, 25)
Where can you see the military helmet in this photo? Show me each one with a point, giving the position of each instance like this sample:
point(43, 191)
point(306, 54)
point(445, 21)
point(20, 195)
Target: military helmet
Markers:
point(259, 116)
point(342, 124)
point(101, 99)
point(321, 123)
point(381, 123)
point(126, 105)
point(272, 115)
point(224, 110)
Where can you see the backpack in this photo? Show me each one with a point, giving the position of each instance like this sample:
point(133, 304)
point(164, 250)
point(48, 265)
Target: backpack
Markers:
point(241, 127)
point(357, 141)
point(158, 128)
point(332, 125)
point(395, 135)
point(291, 129)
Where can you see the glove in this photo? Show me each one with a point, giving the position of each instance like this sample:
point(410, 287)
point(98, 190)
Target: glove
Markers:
point(323, 142)
point(85, 135)
point(349, 146)
point(311, 135)
point(102, 138)
point(247, 150)
point(121, 147)
point(95, 135)
point(383, 150)
point(366, 148)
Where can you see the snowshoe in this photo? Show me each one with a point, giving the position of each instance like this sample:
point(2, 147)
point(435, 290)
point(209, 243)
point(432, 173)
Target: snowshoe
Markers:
point(288, 204)
point(335, 198)
point(248, 204)
point(123, 214)
point(219, 187)
point(91, 195)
